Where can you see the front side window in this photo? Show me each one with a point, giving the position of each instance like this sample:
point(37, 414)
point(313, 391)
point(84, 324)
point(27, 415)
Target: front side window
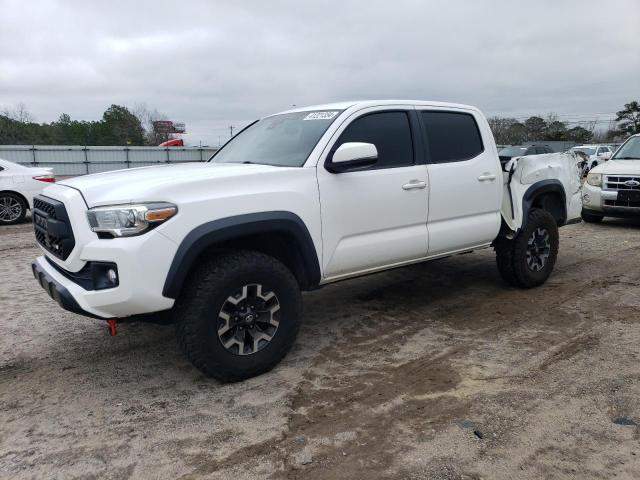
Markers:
point(389, 132)
point(451, 136)
point(284, 140)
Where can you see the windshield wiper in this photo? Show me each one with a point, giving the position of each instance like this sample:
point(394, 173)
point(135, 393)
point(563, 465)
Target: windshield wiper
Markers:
point(626, 158)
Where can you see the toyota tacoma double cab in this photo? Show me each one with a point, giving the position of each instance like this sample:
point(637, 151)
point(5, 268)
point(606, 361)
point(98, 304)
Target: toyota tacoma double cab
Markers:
point(295, 201)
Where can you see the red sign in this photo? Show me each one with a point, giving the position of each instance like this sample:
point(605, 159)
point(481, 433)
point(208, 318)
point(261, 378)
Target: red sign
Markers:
point(167, 126)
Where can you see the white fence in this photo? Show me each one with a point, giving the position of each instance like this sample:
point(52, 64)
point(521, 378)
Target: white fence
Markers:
point(78, 160)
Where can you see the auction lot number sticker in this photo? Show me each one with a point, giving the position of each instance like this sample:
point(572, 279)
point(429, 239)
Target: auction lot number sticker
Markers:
point(327, 115)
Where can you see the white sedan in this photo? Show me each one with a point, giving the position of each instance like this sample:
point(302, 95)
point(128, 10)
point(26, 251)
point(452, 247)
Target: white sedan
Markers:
point(18, 185)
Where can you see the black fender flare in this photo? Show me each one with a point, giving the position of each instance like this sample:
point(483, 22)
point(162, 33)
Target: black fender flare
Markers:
point(539, 188)
point(224, 229)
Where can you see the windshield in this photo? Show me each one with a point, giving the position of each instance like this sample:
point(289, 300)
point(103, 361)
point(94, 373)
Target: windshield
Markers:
point(629, 151)
point(512, 151)
point(586, 150)
point(284, 140)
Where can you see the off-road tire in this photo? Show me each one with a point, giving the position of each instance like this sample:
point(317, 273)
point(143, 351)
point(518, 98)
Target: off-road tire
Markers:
point(511, 255)
point(205, 292)
point(15, 200)
point(591, 218)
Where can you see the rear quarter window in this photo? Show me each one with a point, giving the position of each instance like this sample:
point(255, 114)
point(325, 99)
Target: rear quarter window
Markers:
point(451, 136)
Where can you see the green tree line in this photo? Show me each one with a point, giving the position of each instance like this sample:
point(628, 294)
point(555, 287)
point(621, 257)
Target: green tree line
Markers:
point(510, 131)
point(118, 126)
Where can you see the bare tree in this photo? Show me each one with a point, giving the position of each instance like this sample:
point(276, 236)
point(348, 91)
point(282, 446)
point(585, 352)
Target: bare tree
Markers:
point(19, 113)
point(147, 116)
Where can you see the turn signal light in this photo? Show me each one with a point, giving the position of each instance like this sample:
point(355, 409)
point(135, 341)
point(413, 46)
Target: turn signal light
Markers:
point(160, 215)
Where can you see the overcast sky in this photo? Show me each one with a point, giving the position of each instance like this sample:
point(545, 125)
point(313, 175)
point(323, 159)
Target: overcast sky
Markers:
point(214, 64)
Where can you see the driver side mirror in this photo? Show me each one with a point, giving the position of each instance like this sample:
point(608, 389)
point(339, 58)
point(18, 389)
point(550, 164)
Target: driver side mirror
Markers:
point(353, 156)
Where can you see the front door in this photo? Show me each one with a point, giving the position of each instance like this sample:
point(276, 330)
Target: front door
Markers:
point(375, 217)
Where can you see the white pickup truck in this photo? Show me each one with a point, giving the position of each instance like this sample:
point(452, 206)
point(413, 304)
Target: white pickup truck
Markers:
point(297, 200)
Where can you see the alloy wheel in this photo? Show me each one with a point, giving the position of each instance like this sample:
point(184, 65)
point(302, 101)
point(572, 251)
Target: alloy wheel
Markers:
point(538, 249)
point(248, 319)
point(10, 209)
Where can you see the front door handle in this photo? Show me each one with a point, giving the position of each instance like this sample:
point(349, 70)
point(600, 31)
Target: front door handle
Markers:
point(486, 176)
point(414, 184)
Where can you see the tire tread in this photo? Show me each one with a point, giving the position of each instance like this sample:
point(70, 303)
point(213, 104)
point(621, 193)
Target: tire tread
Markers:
point(192, 305)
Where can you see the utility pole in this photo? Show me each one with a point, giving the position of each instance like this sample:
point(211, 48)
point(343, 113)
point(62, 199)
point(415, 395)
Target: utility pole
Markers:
point(231, 130)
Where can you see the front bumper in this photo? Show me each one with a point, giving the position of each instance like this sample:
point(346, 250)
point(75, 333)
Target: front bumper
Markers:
point(142, 265)
point(56, 290)
point(594, 198)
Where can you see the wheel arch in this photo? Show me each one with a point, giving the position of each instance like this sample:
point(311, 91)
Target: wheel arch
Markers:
point(280, 234)
point(547, 195)
point(26, 201)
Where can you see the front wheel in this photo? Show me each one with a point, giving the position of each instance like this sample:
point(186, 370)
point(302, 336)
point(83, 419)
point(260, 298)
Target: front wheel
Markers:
point(239, 315)
point(528, 259)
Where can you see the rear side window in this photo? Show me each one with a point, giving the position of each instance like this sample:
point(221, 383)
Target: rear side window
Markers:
point(389, 132)
point(451, 136)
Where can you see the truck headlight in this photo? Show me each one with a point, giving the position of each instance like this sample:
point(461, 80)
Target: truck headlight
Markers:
point(129, 220)
point(594, 179)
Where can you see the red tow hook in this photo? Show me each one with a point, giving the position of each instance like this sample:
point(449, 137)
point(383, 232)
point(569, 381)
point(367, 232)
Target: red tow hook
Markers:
point(113, 327)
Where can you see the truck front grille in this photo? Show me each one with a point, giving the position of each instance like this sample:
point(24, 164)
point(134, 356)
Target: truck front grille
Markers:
point(622, 183)
point(52, 227)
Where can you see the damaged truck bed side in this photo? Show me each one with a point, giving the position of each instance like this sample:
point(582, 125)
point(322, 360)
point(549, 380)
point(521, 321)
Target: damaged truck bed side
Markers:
point(550, 181)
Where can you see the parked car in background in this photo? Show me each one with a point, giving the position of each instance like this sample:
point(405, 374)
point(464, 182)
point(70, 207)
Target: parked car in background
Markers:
point(612, 189)
point(597, 153)
point(507, 153)
point(18, 185)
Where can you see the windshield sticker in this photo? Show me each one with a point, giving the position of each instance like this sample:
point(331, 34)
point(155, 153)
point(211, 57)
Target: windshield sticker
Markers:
point(321, 115)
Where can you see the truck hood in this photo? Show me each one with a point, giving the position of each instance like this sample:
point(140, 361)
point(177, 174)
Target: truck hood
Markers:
point(618, 167)
point(146, 184)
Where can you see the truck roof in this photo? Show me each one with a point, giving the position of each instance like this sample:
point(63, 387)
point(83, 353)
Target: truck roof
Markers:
point(374, 103)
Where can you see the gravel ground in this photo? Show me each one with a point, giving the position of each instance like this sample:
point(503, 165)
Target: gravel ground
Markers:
point(434, 371)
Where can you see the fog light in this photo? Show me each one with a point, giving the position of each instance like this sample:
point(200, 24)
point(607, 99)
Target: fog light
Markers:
point(586, 197)
point(112, 276)
point(104, 275)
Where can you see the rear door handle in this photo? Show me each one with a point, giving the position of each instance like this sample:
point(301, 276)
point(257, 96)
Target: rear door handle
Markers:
point(414, 184)
point(486, 176)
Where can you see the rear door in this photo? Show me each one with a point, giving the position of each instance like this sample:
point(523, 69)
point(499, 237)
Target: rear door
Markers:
point(465, 180)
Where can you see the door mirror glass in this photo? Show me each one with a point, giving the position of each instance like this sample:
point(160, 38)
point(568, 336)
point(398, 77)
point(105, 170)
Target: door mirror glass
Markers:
point(353, 155)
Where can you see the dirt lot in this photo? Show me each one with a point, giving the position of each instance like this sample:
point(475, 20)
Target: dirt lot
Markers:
point(435, 371)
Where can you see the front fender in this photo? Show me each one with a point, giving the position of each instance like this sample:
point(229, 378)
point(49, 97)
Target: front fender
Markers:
point(222, 230)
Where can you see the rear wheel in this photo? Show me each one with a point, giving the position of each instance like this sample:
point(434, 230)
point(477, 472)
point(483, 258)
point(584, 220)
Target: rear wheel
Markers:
point(239, 315)
point(591, 217)
point(13, 208)
point(528, 259)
